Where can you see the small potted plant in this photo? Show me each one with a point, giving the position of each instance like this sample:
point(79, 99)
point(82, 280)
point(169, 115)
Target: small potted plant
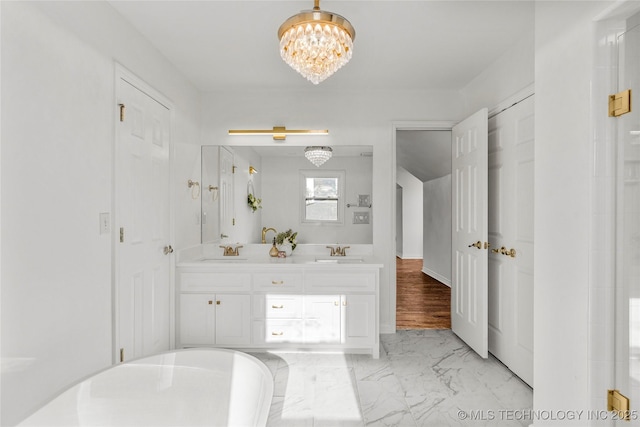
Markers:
point(254, 202)
point(286, 241)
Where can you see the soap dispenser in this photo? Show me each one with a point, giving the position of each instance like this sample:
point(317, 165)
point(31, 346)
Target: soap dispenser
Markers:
point(273, 251)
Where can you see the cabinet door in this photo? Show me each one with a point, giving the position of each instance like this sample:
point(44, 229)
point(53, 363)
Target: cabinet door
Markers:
point(197, 319)
point(322, 319)
point(233, 319)
point(359, 319)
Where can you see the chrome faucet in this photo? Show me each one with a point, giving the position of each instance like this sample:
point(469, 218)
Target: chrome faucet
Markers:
point(338, 251)
point(264, 233)
point(230, 250)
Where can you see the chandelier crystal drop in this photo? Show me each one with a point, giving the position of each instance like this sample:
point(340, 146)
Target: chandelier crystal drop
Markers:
point(318, 155)
point(316, 43)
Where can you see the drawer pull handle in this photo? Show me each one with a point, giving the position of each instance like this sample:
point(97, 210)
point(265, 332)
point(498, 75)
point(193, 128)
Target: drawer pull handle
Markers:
point(277, 306)
point(277, 334)
point(277, 282)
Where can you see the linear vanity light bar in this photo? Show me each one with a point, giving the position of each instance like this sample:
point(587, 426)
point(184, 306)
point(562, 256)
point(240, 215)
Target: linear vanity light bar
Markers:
point(279, 132)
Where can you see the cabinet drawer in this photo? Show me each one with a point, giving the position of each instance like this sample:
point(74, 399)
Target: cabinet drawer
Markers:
point(215, 282)
point(277, 306)
point(274, 281)
point(278, 331)
point(339, 281)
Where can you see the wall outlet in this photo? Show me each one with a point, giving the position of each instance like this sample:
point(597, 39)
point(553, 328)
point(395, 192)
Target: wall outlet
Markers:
point(105, 223)
point(361, 217)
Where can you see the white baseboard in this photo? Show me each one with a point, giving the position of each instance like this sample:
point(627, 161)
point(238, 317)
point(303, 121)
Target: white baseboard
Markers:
point(438, 277)
point(387, 329)
point(401, 256)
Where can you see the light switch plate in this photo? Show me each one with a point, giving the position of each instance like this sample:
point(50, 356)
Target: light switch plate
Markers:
point(361, 217)
point(364, 200)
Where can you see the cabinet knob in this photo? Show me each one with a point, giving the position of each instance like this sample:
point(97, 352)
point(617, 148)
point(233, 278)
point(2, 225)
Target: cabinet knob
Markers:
point(210, 302)
point(218, 302)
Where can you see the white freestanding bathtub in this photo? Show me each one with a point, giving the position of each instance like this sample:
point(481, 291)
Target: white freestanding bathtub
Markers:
point(193, 387)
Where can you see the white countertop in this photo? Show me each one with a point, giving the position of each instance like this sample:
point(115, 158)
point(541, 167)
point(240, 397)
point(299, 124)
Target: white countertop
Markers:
point(257, 255)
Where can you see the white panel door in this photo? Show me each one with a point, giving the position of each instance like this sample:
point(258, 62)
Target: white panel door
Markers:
point(322, 315)
point(142, 225)
point(226, 194)
point(197, 319)
point(627, 329)
point(511, 161)
point(469, 231)
point(359, 319)
point(233, 319)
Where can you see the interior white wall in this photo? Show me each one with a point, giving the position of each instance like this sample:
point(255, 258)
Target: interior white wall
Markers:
point(564, 34)
point(58, 119)
point(412, 216)
point(510, 73)
point(437, 229)
point(363, 118)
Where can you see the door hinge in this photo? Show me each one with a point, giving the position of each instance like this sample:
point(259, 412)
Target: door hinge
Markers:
point(121, 234)
point(620, 103)
point(121, 355)
point(619, 403)
point(122, 108)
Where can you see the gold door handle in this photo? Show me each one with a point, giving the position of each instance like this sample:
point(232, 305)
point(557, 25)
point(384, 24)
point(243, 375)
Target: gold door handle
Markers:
point(477, 245)
point(507, 252)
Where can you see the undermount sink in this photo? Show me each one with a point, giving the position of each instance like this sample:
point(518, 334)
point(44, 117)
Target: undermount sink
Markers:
point(339, 260)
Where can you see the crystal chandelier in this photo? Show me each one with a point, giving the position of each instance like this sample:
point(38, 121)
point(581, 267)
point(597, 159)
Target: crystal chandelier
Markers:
point(316, 43)
point(318, 155)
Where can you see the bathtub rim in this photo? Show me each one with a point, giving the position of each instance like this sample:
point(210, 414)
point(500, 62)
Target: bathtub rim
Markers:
point(267, 399)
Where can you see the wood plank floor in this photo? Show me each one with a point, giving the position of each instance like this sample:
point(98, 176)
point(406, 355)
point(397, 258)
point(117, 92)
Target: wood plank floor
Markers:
point(422, 302)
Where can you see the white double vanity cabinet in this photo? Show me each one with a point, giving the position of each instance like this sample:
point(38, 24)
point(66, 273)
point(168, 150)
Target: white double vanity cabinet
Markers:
point(298, 302)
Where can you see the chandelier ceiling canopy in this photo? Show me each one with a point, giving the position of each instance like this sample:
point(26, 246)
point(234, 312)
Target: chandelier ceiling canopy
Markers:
point(316, 43)
point(318, 155)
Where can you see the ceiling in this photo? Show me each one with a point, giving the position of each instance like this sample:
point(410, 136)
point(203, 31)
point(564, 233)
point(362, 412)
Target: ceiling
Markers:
point(399, 45)
point(426, 154)
point(225, 45)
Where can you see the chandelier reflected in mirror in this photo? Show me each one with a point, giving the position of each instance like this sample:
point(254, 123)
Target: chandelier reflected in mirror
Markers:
point(318, 155)
point(316, 43)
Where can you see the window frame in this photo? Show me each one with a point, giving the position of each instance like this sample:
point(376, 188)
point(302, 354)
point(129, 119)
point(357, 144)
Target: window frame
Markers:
point(333, 173)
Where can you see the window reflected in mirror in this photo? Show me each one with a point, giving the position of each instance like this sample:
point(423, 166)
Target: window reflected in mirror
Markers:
point(322, 192)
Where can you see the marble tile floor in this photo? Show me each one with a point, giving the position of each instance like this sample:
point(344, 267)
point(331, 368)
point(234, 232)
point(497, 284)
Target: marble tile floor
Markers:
point(423, 378)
